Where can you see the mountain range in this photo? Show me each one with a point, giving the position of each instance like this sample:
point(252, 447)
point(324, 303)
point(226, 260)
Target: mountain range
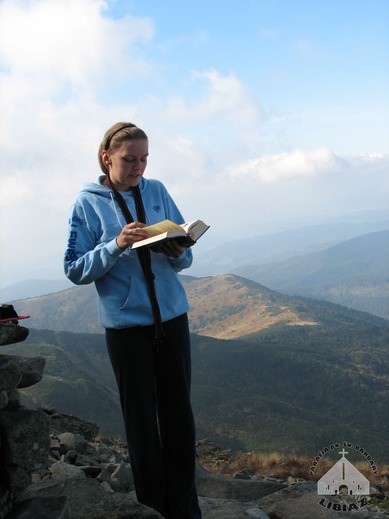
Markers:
point(354, 273)
point(259, 245)
point(336, 261)
point(271, 372)
point(289, 340)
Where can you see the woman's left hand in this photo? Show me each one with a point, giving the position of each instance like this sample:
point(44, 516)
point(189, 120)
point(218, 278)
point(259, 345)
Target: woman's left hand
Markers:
point(171, 248)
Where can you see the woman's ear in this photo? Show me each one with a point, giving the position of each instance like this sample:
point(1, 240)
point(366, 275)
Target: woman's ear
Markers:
point(106, 158)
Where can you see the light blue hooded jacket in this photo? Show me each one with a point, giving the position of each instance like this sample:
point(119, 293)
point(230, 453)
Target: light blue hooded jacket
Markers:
point(92, 255)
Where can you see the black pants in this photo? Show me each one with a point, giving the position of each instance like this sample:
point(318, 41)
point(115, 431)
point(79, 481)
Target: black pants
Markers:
point(154, 389)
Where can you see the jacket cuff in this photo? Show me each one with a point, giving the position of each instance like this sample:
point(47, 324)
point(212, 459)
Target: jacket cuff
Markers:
point(113, 248)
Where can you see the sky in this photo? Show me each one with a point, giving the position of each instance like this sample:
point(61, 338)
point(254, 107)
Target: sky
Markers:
point(257, 111)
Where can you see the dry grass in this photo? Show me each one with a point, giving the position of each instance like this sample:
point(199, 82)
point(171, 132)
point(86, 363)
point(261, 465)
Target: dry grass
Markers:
point(282, 466)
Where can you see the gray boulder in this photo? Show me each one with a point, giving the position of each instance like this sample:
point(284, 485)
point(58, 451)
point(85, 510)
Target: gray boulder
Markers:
point(84, 496)
point(64, 423)
point(81, 499)
point(62, 470)
point(221, 487)
point(25, 446)
point(42, 508)
point(12, 333)
point(229, 509)
point(31, 369)
point(10, 375)
point(69, 441)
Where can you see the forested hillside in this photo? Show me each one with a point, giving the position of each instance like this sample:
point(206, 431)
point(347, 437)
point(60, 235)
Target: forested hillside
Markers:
point(286, 387)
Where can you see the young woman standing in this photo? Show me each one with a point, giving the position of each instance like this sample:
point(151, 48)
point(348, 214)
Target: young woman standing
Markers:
point(143, 308)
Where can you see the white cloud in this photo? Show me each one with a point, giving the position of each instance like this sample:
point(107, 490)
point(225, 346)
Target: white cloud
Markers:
point(68, 41)
point(280, 167)
point(14, 188)
point(225, 97)
point(68, 71)
point(56, 58)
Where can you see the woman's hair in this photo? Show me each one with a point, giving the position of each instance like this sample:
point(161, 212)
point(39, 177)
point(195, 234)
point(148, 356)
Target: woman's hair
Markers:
point(115, 135)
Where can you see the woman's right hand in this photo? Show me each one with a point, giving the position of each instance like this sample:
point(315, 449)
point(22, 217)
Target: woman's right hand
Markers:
point(131, 233)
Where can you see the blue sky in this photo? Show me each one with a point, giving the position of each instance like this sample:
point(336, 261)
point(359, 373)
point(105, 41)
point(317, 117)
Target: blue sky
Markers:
point(257, 110)
point(315, 68)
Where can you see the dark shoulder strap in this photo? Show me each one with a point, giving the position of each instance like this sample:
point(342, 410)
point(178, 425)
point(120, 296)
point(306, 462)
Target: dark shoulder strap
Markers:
point(144, 258)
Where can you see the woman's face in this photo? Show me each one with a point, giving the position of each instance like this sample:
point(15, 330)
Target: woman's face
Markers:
point(127, 164)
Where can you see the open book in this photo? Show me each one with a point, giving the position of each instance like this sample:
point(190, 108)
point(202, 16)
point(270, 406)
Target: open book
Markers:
point(185, 234)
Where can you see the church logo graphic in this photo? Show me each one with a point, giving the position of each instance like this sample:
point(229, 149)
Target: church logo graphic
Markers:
point(343, 479)
point(343, 487)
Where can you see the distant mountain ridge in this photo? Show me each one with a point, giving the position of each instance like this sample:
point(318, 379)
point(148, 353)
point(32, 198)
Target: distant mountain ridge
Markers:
point(259, 243)
point(225, 306)
point(354, 273)
point(228, 307)
point(271, 371)
point(261, 247)
point(32, 288)
point(286, 387)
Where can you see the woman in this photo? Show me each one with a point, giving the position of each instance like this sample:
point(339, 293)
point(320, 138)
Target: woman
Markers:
point(143, 307)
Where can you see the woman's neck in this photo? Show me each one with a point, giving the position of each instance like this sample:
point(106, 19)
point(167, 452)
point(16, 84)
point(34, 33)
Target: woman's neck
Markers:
point(107, 182)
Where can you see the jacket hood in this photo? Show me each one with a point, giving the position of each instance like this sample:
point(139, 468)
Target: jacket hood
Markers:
point(98, 188)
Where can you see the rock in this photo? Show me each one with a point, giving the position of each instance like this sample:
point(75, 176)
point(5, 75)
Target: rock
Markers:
point(3, 398)
point(64, 423)
point(90, 471)
point(54, 442)
point(62, 470)
point(6, 501)
point(221, 487)
point(86, 496)
point(14, 401)
point(123, 475)
point(129, 507)
point(31, 369)
point(11, 333)
point(107, 487)
point(25, 446)
point(10, 374)
point(256, 513)
point(376, 491)
point(243, 474)
point(70, 456)
point(229, 509)
point(69, 441)
point(42, 507)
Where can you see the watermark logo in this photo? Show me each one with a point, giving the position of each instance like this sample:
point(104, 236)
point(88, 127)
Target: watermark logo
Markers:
point(346, 485)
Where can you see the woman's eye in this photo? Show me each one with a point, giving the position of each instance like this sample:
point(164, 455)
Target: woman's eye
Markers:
point(133, 160)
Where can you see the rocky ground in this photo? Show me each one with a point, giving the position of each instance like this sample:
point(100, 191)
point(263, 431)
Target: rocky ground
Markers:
point(89, 476)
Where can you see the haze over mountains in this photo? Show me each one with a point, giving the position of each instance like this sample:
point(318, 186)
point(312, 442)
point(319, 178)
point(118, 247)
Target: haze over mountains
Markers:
point(354, 273)
point(258, 244)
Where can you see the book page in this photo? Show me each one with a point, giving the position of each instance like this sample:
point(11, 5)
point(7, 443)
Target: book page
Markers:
point(160, 227)
point(195, 229)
